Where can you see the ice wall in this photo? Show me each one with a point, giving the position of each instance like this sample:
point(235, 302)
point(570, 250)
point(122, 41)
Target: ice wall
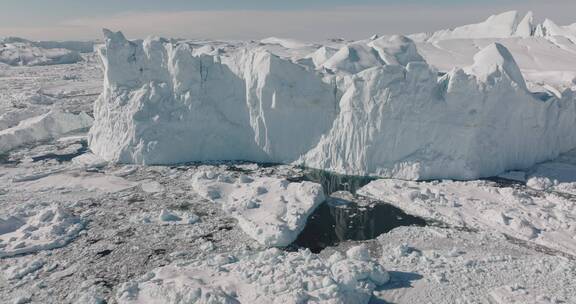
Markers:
point(373, 107)
point(163, 105)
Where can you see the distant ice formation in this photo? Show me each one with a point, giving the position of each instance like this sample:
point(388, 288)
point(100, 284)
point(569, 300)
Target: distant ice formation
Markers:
point(505, 25)
point(18, 51)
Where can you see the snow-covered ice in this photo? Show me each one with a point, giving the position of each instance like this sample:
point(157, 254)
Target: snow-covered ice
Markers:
point(46, 126)
point(545, 54)
point(544, 218)
point(434, 265)
point(271, 210)
point(270, 276)
point(33, 230)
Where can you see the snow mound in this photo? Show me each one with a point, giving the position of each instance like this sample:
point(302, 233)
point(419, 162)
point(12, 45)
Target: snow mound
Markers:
point(272, 211)
point(21, 270)
point(321, 55)
point(396, 50)
point(44, 229)
point(492, 58)
point(485, 206)
point(47, 126)
point(271, 276)
point(28, 54)
point(373, 108)
point(167, 217)
point(353, 58)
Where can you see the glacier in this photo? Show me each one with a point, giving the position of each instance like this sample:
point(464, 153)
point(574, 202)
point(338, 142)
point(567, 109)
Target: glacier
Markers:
point(370, 107)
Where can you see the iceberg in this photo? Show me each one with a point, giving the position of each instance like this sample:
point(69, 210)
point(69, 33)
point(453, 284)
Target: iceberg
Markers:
point(21, 52)
point(43, 127)
point(504, 25)
point(374, 107)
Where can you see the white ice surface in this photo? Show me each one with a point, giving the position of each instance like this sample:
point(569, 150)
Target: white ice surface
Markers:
point(271, 210)
point(37, 229)
point(433, 265)
point(545, 52)
point(543, 218)
point(46, 126)
point(270, 276)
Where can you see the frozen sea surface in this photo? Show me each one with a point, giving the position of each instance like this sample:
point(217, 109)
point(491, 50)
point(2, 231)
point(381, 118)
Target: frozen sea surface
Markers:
point(76, 228)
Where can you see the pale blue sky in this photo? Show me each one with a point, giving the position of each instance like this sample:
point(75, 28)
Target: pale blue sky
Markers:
point(243, 19)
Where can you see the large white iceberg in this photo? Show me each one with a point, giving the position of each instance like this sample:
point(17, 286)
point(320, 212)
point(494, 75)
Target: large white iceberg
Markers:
point(375, 107)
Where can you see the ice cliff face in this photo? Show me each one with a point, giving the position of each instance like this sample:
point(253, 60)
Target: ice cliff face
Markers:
point(162, 104)
point(405, 122)
point(372, 107)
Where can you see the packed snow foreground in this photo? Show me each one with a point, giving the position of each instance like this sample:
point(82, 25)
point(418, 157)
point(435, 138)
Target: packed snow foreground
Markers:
point(372, 107)
point(273, 211)
point(270, 276)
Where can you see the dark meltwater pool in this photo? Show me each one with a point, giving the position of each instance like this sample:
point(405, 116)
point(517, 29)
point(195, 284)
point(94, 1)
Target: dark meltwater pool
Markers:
point(346, 216)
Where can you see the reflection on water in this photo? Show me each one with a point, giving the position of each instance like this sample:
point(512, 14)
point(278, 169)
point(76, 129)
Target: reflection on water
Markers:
point(332, 182)
point(331, 224)
point(346, 216)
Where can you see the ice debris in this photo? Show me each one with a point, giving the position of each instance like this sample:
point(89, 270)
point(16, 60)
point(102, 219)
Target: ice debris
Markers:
point(271, 210)
point(40, 229)
point(270, 276)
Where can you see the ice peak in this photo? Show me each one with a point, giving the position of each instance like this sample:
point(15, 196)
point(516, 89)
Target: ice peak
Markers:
point(353, 58)
point(496, 57)
point(113, 36)
point(504, 25)
point(509, 18)
point(526, 26)
point(396, 50)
